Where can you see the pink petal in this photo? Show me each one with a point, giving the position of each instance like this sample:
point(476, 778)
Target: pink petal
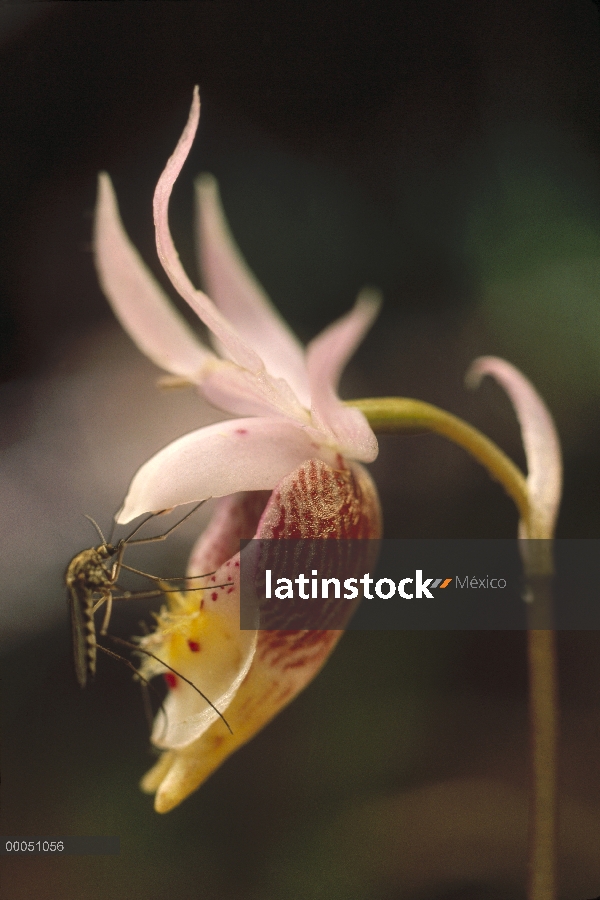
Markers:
point(314, 501)
point(239, 296)
point(540, 440)
point(327, 356)
point(224, 458)
point(138, 301)
point(235, 518)
point(247, 394)
point(238, 351)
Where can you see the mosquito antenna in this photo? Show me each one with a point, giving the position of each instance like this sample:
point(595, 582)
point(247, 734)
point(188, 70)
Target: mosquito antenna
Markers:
point(144, 681)
point(97, 527)
point(139, 649)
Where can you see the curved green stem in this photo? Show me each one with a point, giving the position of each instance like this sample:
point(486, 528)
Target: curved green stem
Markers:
point(391, 415)
point(397, 414)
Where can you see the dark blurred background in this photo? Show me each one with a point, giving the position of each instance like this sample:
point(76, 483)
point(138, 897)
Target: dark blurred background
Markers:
point(447, 153)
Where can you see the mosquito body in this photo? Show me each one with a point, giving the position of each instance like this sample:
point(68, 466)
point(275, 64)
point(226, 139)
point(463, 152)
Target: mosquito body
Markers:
point(91, 580)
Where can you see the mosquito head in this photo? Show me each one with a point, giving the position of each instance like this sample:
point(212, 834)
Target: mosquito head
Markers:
point(105, 551)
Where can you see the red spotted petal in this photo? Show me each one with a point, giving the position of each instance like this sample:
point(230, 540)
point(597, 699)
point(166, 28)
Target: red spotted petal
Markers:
point(315, 501)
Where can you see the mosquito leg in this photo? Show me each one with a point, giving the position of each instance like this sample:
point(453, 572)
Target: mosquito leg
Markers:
point(158, 578)
point(109, 600)
point(116, 566)
point(189, 577)
point(148, 595)
point(139, 676)
point(138, 528)
point(139, 649)
point(139, 595)
point(125, 542)
point(161, 537)
point(182, 578)
point(98, 604)
point(160, 592)
point(187, 590)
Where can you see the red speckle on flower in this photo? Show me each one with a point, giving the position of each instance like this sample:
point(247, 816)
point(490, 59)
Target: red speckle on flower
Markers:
point(241, 431)
point(230, 591)
point(171, 680)
point(237, 565)
point(194, 646)
point(214, 595)
point(214, 578)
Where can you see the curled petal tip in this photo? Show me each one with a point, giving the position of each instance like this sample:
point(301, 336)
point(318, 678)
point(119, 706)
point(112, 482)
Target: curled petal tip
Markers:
point(180, 154)
point(207, 185)
point(223, 330)
point(369, 299)
point(540, 441)
point(474, 374)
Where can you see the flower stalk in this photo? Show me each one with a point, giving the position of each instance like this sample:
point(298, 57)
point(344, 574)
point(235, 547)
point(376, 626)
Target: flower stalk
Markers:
point(392, 415)
point(536, 499)
point(543, 716)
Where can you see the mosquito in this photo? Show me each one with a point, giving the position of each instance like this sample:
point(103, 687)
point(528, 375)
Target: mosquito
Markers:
point(91, 580)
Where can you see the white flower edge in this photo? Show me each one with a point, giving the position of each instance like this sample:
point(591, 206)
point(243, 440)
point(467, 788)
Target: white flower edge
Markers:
point(237, 455)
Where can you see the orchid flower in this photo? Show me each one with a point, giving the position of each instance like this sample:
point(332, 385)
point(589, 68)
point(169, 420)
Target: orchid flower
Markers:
point(289, 468)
